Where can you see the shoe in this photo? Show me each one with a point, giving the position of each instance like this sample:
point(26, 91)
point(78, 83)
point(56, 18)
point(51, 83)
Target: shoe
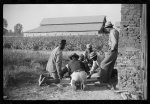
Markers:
point(41, 80)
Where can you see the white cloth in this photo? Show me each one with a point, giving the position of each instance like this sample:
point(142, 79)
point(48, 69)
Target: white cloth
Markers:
point(79, 76)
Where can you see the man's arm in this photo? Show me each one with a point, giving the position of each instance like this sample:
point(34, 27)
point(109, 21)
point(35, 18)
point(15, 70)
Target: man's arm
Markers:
point(86, 56)
point(94, 67)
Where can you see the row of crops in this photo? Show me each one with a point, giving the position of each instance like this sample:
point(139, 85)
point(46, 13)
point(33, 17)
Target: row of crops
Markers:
point(74, 43)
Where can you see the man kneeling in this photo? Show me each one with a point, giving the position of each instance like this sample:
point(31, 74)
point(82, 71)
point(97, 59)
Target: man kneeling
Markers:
point(77, 72)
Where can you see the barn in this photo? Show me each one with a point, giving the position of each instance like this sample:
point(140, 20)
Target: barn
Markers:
point(84, 25)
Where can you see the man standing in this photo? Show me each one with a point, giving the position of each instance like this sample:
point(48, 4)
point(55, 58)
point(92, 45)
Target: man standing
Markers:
point(54, 65)
point(107, 65)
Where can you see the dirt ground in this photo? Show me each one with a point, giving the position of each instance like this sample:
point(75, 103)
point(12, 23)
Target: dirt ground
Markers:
point(32, 91)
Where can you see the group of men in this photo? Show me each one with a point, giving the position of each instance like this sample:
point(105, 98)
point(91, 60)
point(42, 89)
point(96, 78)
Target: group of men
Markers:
point(80, 68)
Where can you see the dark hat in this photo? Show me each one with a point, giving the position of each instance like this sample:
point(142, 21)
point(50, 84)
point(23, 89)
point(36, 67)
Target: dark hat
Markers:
point(62, 42)
point(108, 24)
point(93, 54)
point(74, 55)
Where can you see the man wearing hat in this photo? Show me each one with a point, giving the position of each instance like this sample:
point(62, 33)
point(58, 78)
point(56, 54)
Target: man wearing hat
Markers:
point(86, 54)
point(54, 65)
point(96, 63)
point(81, 58)
point(107, 65)
point(76, 68)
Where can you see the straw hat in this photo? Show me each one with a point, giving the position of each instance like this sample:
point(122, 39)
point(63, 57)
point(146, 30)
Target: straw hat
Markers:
point(108, 24)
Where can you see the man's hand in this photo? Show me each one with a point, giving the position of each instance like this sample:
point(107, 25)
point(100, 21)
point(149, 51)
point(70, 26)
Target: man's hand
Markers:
point(89, 76)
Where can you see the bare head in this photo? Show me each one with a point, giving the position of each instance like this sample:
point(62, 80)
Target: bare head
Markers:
point(62, 44)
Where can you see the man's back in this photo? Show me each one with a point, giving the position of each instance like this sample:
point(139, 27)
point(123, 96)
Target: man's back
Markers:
point(75, 65)
point(51, 65)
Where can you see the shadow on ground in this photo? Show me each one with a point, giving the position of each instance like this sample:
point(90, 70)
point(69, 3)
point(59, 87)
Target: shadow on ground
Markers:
point(22, 78)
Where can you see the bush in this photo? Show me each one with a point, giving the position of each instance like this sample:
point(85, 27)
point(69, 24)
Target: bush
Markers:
point(74, 43)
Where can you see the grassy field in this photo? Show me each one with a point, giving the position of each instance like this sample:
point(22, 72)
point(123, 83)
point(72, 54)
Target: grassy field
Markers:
point(22, 66)
point(21, 70)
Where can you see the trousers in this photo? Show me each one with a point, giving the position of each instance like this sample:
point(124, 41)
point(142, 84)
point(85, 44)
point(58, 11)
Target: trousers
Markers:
point(107, 65)
point(78, 77)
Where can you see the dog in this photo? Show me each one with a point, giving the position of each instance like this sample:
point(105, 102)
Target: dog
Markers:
point(78, 80)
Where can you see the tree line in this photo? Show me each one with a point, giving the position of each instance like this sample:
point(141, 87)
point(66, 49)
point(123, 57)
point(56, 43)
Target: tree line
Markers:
point(18, 28)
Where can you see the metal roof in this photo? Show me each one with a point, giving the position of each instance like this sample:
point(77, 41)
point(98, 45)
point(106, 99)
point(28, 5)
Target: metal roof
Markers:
point(73, 20)
point(67, 28)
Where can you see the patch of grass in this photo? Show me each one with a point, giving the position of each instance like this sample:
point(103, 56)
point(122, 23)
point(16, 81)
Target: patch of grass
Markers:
point(24, 66)
point(19, 76)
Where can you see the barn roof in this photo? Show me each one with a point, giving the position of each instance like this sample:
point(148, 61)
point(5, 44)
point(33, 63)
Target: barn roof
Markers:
point(73, 20)
point(70, 24)
point(67, 28)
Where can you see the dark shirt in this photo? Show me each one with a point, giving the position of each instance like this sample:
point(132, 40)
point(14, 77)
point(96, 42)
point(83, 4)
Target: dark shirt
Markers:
point(75, 65)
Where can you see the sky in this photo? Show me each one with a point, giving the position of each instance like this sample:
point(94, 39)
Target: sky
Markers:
point(30, 15)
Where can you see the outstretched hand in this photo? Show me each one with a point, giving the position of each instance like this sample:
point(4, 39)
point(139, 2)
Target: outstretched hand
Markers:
point(89, 76)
